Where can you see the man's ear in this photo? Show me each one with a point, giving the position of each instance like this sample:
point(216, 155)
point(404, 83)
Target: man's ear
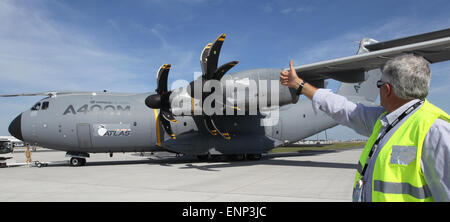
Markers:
point(389, 91)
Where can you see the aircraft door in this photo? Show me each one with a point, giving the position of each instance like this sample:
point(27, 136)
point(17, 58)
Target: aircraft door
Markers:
point(84, 135)
point(276, 130)
point(272, 124)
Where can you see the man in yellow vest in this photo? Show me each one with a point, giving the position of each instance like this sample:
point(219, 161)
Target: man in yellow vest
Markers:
point(407, 155)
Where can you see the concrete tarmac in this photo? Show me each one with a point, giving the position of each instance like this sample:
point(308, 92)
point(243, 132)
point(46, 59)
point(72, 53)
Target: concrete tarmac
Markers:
point(305, 176)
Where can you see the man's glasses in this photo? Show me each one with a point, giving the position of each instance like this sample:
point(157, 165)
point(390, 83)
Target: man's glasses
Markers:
point(380, 83)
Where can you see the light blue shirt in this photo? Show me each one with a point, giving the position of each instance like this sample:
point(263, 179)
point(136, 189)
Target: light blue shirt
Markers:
point(435, 160)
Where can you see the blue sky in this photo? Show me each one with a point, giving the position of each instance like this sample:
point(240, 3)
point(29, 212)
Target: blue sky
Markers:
point(51, 45)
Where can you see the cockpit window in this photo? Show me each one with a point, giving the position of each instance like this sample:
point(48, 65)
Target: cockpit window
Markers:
point(45, 105)
point(37, 106)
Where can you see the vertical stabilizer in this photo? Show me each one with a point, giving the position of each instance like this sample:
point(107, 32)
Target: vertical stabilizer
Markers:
point(366, 90)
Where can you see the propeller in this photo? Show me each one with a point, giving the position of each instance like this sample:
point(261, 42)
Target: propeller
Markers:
point(160, 100)
point(209, 59)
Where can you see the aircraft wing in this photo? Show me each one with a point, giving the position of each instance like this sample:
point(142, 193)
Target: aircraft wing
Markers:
point(433, 46)
point(51, 94)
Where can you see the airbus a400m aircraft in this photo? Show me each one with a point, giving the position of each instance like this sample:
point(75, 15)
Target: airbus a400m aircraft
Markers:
point(242, 114)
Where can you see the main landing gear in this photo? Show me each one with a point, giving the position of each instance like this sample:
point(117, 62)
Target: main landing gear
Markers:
point(77, 159)
point(235, 157)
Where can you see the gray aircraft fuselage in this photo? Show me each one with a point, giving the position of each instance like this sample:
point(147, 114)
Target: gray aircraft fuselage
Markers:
point(73, 123)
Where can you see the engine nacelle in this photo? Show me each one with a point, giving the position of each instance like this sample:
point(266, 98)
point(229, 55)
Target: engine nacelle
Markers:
point(241, 93)
point(5, 147)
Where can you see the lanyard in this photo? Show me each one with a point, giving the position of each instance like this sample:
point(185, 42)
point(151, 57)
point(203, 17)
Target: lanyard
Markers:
point(389, 127)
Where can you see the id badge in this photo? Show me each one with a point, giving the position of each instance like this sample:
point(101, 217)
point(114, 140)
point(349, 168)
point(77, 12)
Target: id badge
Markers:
point(357, 191)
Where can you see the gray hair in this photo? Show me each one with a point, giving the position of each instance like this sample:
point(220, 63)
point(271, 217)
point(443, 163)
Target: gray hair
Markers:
point(409, 75)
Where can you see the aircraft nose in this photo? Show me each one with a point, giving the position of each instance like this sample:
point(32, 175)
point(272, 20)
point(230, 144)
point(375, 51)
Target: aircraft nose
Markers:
point(15, 128)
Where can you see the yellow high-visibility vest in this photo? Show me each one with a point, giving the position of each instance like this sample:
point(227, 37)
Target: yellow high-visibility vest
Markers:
point(397, 174)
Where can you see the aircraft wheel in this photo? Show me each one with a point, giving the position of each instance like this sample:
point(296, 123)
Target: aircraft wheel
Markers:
point(75, 161)
point(236, 157)
point(240, 157)
point(253, 156)
point(218, 158)
point(202, 157)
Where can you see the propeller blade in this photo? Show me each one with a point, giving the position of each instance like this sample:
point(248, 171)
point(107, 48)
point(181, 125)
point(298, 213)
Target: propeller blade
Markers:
point(167, 115)
point(209, 127)
point(162, 76)
point(227, 105)
point(213, 56)
point(203, 57)
point(209, 123)
point(220, 72)
point(166, 124)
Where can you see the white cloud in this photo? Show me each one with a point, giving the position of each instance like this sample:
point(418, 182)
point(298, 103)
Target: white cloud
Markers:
point(39, 54)
point(266, 8)
point(287, 11)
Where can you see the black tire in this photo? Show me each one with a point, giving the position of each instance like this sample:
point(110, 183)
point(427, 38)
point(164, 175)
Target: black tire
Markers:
point(218, 158)
point(236, 157)
point(74, 161)
point(253, 156)
point(202, 157)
